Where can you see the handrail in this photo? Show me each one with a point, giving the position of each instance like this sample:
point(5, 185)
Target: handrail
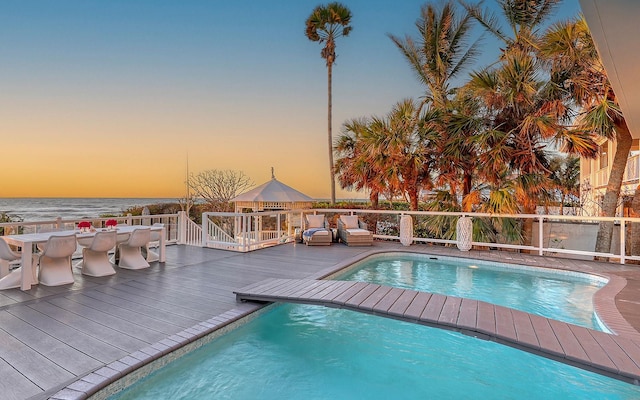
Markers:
point(251, 231)
point(248, 230)
point(170, 222)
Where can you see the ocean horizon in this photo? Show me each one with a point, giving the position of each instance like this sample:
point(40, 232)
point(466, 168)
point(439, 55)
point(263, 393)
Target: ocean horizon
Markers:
point(49, 208)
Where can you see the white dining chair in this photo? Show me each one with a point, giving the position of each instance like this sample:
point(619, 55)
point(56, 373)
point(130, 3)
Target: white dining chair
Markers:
point(95, 258)
point(154, 241)
point(12, 278)
point(55, 260)
point(130, 251)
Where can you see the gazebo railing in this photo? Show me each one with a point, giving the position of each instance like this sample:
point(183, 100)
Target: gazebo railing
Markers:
point(248, 231)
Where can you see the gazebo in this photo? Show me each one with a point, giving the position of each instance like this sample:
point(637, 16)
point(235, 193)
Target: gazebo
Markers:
point(270, 196)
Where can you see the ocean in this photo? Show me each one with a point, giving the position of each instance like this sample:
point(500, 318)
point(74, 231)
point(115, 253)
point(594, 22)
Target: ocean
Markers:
point(39, 209)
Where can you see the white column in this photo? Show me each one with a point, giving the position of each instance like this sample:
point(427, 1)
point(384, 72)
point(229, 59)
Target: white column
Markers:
point(406, 229)
point(464, 233)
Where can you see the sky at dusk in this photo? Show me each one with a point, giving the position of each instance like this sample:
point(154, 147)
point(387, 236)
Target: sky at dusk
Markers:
point(110, 98)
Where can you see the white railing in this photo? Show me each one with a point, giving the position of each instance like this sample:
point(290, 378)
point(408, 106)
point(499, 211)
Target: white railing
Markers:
point(601, 178)
point(248, 231)
point(632, 170)
point(631, 173)
point(170, 221)
point(190, 233)
point(574, 236)
point(558, 235)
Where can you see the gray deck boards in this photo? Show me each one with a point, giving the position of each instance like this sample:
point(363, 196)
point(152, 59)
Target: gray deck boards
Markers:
point(575, 345)
point(100, 328)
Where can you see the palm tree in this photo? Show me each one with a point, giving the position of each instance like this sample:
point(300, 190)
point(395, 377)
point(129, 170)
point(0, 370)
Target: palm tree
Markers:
point(565, 175)
point(385, 154)
point(524, 108)
point(400, 150)
point(583, 80)
point(440, 53)
point(325, 25)
point(455, 144)
point(353, 167)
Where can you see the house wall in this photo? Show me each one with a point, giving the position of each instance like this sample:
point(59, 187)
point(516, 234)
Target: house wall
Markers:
point(594, 176)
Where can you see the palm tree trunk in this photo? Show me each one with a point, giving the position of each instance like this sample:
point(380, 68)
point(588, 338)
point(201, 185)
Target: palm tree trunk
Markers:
point(527, 227)
point(329, 136)
point(413, 199)
point(374, 196)
point(466, 189)
point(610, 200)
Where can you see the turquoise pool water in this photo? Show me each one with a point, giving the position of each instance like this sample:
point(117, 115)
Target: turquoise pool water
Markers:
point(309, 352)
point(565, 296)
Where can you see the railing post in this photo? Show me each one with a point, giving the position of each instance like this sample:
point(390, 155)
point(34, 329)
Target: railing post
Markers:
point(182, 227)
point(59, 223)
point(540, 236)
point(205, 230)
point(246, 233)
point(623, 239)
point(279, 227)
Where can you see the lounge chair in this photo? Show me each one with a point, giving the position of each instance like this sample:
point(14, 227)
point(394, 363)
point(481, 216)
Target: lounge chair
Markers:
point(316, 232)
point(353, 232)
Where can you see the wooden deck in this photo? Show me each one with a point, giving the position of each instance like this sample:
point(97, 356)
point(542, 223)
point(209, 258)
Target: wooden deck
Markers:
point(595, 351)
point(68, 341)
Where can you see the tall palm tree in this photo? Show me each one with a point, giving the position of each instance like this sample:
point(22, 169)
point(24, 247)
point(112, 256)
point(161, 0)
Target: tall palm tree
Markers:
point(581, 76)
point(325, 25)
point(440, 53)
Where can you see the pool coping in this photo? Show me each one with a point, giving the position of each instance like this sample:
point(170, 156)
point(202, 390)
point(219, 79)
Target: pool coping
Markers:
point(96, 384)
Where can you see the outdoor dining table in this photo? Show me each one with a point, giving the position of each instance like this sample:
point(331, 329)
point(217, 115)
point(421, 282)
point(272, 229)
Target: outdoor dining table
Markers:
point(27, 240)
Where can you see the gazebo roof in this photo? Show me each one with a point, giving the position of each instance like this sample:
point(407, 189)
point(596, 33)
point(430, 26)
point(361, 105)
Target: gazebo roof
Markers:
point(273, 191)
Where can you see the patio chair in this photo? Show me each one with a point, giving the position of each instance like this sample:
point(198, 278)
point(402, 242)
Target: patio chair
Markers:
point(55, 260)
point(95, 259)
point(353, 232)
point(130, 251)
point(11, 278)
point(316, 232)
point(154, 241)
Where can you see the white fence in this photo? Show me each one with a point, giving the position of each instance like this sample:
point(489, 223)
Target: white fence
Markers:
point(171, 223)
point(558, 235)
point(249, 231)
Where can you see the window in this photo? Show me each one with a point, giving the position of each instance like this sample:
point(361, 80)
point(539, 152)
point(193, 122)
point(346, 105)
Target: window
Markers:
point(585, 164)
point(604, 156)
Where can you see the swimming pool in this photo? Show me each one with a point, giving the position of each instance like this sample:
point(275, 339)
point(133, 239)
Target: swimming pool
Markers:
point(561, 295)
point(297, 351)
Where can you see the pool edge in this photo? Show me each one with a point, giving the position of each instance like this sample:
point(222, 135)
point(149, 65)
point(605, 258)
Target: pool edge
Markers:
point(95, 385)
